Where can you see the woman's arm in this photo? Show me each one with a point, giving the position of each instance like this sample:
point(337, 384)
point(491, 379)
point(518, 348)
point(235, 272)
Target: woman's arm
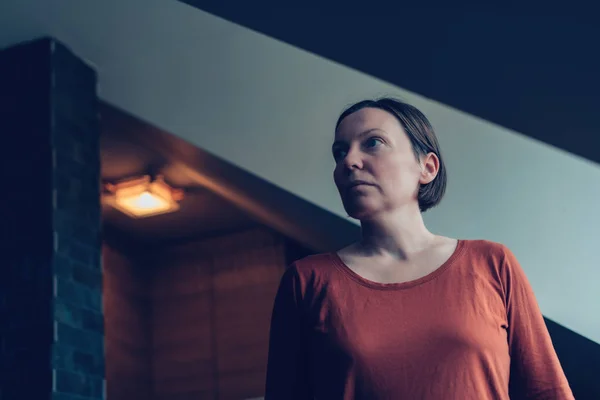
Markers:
point(536, 372)
point(287, 368)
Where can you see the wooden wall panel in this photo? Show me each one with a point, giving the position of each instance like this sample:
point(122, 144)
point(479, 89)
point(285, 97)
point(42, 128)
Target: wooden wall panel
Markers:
point(128, 337)
point(245, 282)
point(183, 366)
point(243, 385)
point(212, 303)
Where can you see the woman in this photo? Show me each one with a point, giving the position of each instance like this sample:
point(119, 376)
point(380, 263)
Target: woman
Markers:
point(405, 313)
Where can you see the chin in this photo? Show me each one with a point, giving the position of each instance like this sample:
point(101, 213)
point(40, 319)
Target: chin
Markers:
point(361, 212)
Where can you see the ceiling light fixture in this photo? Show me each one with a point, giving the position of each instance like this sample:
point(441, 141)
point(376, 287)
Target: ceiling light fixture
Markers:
point(143, 197)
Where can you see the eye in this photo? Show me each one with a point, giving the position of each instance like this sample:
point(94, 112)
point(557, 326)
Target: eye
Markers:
point(339, 154)
point(373, 142)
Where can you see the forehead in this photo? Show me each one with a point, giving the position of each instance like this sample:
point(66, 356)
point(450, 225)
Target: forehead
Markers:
point(365, 120)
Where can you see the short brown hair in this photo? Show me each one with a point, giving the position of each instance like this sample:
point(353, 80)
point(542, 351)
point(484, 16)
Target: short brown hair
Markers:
point(421, 135)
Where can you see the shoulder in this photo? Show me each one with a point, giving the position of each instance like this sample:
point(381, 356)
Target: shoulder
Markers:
point(489, 252)
point(497, 258)
point(310, 275)
point(313, 268)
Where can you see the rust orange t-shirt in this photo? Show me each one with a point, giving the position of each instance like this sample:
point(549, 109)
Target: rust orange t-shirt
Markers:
point(472, 329)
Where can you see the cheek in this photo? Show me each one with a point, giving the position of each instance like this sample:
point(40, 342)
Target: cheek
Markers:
point(336, 175)
point(400, 175)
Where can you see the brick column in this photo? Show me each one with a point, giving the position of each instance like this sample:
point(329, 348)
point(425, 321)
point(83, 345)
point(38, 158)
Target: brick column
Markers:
point(51, 323)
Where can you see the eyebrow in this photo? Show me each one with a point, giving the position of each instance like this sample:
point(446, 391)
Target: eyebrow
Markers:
point(364, 133)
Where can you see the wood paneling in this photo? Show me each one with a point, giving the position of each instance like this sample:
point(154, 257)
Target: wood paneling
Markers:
point(212, 303)
point(128, 338)
point(241, 385)
point(191, 322)
point(181, 327)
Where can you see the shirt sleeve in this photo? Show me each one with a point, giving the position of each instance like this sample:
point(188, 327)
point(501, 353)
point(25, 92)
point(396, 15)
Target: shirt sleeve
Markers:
point(535, 371)
point(287, 367)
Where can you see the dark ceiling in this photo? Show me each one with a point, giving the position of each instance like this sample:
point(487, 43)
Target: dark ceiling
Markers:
point(202, 212)
point(533, 69)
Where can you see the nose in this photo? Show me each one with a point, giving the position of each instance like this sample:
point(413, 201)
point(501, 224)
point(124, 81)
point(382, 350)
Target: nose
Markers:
point(353, 160)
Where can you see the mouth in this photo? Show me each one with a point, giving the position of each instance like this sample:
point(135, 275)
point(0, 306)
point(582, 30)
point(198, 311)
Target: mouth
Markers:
point(354, 184)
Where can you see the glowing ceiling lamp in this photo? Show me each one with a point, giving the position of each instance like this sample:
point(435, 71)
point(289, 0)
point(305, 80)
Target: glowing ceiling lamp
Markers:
point(144, 197)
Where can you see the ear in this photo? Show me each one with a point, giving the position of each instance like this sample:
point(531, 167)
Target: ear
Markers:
point(430, 165)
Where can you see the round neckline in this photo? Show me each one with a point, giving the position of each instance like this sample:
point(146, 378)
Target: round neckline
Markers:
point(341, 265)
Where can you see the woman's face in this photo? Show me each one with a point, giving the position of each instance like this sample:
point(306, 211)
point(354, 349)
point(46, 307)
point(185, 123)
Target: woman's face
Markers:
point(376, 168)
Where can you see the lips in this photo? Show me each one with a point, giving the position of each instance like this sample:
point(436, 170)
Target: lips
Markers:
point(356, 183)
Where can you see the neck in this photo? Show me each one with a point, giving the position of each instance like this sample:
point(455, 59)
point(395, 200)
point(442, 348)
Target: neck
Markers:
point(399, 234)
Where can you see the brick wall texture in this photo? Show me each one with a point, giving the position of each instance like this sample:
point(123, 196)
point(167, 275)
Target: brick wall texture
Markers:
point(52, 328)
